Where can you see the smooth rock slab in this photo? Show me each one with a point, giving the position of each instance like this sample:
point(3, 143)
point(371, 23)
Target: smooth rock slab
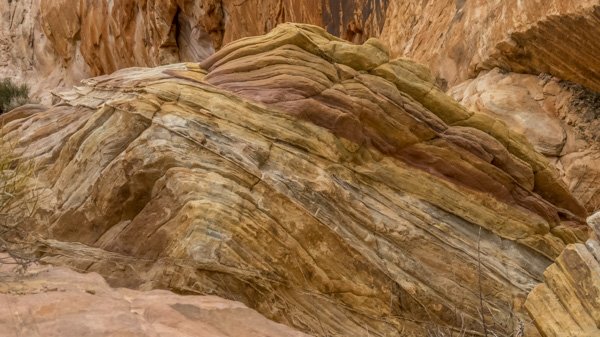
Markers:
point(58, 302)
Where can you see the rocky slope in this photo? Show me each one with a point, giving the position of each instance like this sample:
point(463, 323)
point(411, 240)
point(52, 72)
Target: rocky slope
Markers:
point(57, 302)
point(295, 171)
point(50, 44)
point(567, 304)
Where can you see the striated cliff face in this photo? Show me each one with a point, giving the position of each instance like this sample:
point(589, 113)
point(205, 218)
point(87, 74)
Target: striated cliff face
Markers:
point(458, 39)
point(50, 43)
point(296, 171)
point(567, 303)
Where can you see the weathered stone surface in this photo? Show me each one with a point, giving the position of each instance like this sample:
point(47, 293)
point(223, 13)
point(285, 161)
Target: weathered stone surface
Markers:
point(58, 302)
point(559, 119)
point(354, 20)
point(293, 172)
point(457, 39)
point(26, 54)
point(567, 304)
point(108, 36)
point(52, 43)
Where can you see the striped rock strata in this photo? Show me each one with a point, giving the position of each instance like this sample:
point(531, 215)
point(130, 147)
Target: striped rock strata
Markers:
point(561, 120)
point(567, 304)
point(321, 183)
point(458, 39)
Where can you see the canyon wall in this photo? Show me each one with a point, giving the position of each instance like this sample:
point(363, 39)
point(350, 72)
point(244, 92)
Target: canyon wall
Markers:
point(458, 39)
point(57, 43)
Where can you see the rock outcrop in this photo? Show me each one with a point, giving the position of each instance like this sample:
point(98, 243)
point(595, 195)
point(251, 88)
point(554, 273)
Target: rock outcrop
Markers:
point(295, 171)
point(561, 120)
point(567, 303)
point(58, 302)
point(458, 39)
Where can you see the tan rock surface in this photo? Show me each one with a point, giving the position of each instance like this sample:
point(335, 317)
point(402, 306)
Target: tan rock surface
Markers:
point(61, 42)
point(354, 20)
point(457, 39)
point(57, 43)
point(559, 119)
point(567, 304)
point(58, 302)
point(292, 172)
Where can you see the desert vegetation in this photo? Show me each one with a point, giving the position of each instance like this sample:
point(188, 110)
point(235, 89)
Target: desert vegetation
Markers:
point(12, 95)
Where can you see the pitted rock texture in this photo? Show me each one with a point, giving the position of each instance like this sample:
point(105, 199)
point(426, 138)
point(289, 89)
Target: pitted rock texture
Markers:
point(458, 39)
point(567, 303)
point(58, 302)
point(561, 120)
point(295, 171)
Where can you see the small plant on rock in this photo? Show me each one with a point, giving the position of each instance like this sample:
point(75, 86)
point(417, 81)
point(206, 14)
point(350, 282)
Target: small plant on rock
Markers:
point(12, 95)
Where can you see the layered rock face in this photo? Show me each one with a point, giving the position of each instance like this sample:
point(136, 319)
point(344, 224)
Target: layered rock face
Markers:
point(567, 304)
point(58, 302)
point(458, 39)
point(562, 121)
point(295, 171)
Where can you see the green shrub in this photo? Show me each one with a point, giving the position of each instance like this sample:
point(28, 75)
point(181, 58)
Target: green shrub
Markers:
point(12, 95)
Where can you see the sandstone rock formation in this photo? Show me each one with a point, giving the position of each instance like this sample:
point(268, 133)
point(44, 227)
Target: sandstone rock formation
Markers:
point(354, 20)
point(57, 302)
point(51, 43)
point(567, 304)
point(458, 39)
point(557, 118)
point(295, 171)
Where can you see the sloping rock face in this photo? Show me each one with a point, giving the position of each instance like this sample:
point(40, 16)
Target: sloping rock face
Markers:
point(458, 39)
point(567, 303)
point(561, 120)
point(295, 171)
point(58, 302)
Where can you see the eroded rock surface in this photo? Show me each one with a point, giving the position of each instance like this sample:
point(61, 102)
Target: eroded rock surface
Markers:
point(458, 39)
point(58, 302)
point(561, 120)
point(57, 43)
point(295, 171)
point(567, 303)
